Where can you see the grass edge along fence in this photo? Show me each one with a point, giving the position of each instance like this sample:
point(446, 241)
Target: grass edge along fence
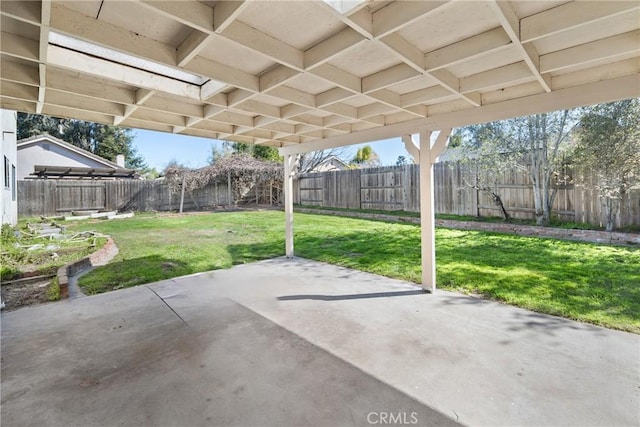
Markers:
point(397, 188)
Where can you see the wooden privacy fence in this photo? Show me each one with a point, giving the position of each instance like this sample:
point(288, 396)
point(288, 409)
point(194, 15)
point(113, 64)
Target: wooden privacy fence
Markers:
point(398, 188)
point(59, 197)
point(385, 188)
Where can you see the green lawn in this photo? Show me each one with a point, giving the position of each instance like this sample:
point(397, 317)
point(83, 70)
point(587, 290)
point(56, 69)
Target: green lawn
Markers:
point(593, 283)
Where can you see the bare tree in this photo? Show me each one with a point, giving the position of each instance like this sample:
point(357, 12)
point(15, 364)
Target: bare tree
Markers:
point(307, 162)
point(534, 144)
point(241, 172)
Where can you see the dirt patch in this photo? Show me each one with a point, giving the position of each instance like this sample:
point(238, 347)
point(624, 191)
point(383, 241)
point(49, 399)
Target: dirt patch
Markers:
point(19, 295)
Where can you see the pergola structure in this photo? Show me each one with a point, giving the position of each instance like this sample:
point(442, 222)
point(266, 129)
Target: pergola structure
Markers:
point(308, 75)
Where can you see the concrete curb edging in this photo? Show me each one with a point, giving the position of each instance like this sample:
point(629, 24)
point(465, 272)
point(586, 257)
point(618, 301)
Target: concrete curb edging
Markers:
point(99, 257)
point(593, 236)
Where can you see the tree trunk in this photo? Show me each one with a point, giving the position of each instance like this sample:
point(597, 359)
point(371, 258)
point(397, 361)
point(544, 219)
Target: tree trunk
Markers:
point(537, 202)
point(184, 178)
point(611, 206)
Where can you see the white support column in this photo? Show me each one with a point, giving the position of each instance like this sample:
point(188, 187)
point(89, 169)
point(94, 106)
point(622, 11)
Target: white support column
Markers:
point(427, 219)
point(289, 161)
point(428, 154)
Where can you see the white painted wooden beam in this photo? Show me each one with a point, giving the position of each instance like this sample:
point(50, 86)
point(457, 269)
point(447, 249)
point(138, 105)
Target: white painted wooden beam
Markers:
point(440, 143)
point(211, 88)
point(237, 96)
point(332, 96)
point(255, 107)
point(226, 12)
point(343, 110)
point(100, 32)
point(19, 91)
point(358, 19)
point(329, 48)
point(62, 82)
point(410, 54)
point(452, 83)
point(277, 76)
point(427, 214)
point(19, 47)
point(474, 47)
point(20, 72)
point(292, 110)
point(78, 102)
point(388, 77)
point(24, 11)
point(143, 95)
point(571, 15)
point(233, 118)
point(497, 78)
point(609, 48)
point(289, 164)
point(398, 15)
point(45, 6)
point(191, 47)
point(431, 94)
point(334, 120)
point(587, 94)
point(339, 77)
point(373, 109)
point(188, 12)
point(223, 73)
point(511, 24)
point(412, 148)
point(267, 45)
point(78, 62)
point(294, 95)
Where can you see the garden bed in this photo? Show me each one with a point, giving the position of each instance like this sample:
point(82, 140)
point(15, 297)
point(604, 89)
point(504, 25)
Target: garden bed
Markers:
point(30, 256)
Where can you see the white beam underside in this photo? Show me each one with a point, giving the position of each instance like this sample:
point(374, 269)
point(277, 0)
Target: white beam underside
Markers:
point(571, 15)
point(604, 91)
point(74, 61)
point(591, 52)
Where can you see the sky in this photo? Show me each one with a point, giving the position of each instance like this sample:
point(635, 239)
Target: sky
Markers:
point(160, 148)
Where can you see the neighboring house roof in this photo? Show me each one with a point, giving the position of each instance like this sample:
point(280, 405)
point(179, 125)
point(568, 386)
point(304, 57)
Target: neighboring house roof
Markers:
point(53, 140)
point(330, 164)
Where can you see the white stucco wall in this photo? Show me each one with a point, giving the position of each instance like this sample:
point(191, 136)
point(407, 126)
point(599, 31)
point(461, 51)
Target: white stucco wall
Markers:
point(9, 198)
point(50, 154)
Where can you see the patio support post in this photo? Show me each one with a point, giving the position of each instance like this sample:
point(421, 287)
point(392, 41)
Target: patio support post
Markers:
point(428, 154)
point(288, 203)
point(427, 220)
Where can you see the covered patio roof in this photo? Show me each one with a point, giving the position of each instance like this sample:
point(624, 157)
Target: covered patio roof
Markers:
point(309, 74)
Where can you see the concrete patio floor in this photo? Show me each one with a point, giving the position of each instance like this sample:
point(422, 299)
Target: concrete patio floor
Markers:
point(296, 342)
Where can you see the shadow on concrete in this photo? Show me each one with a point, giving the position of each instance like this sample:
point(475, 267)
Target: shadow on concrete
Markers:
point(555, 271)
point(522, 319)
point(349, 296)
point(548, 324)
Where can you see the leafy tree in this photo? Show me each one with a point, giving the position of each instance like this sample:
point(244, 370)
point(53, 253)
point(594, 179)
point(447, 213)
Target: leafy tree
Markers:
point(173, 164)
point(365, 156)
point(401, 161)
point(609, 147)
point(103, 140)
point(217, 154)
point(535, 144)
point(149, 173)
point(258, 151)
